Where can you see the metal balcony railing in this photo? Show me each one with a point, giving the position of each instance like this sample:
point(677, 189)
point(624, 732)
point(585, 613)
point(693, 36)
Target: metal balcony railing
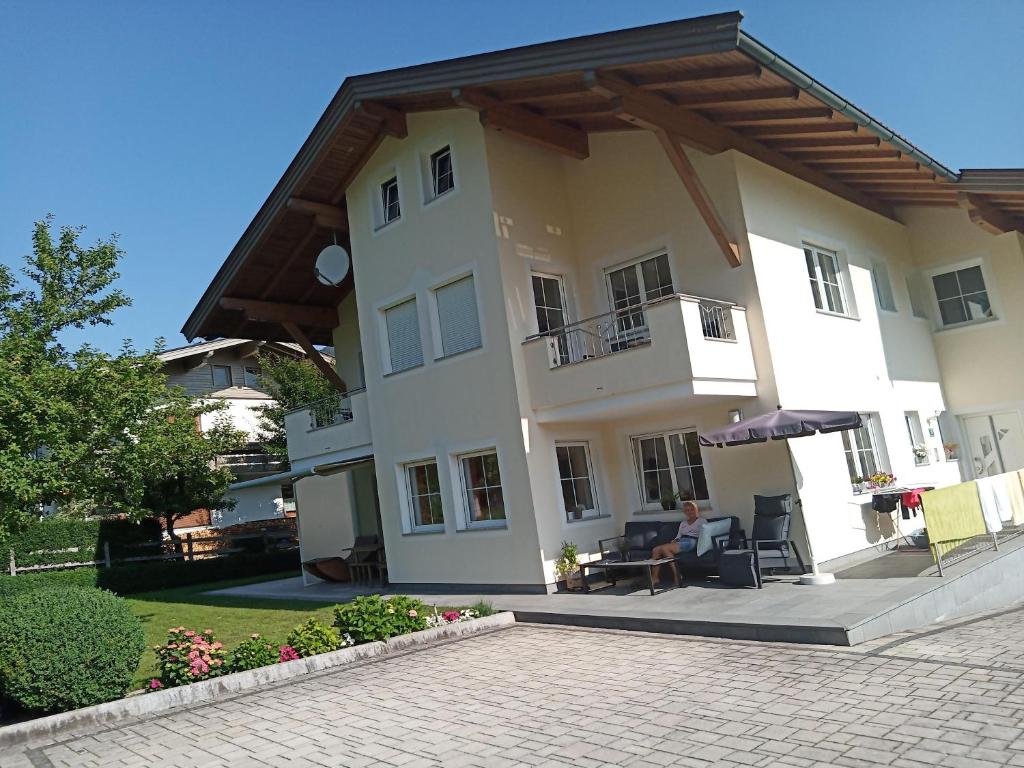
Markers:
point(331, 410)
point(626, 328)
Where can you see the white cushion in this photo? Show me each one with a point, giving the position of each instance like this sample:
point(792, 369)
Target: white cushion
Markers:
point(706, 541)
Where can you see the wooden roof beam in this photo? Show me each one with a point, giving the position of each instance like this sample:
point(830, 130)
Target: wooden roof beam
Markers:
point(903, 166)
point(275, 312)
point(192, 362)
point(722, 74)
point(767, 131)
point(527, 125)
point(848, 155)
point(286, 265)
point(717, 98)
point(650, 111)
point(325, 215)
point(985, 216)
point(753, 117)
point(392, 121)
point(250, 349)
point(314, 355)
point(816, 142)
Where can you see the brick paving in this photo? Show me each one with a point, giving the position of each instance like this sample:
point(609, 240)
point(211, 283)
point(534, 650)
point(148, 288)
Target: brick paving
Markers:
point(551, 696)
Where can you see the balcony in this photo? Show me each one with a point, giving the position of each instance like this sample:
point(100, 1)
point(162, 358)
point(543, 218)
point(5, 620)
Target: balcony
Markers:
point(338, 427)
point(248, 464)
point(641, 358)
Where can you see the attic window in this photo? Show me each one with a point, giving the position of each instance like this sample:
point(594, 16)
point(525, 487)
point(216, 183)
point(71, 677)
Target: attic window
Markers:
point(389, 204)
point(221, 375)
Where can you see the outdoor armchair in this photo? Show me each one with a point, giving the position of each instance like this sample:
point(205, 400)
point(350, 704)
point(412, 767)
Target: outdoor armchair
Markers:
point(769, 536)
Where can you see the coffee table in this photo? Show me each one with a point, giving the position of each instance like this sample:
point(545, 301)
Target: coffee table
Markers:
point(610, 566)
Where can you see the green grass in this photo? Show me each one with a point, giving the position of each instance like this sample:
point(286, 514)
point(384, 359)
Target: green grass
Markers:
point(232, 619)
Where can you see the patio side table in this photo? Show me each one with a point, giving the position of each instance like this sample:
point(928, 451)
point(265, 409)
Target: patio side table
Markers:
point(610, 566)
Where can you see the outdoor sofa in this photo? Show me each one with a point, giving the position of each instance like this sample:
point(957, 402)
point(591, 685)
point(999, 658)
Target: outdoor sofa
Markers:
point(641, 536)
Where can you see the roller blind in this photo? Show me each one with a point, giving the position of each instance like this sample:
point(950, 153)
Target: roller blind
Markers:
point(403, 327)
point(457, 316)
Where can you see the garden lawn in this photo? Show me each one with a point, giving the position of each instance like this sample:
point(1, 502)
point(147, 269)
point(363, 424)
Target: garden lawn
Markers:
point(232, 619)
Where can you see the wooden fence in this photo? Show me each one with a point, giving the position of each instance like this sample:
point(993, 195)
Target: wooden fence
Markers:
point(193, 548)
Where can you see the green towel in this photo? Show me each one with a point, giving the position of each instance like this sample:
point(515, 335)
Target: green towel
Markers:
point(952, 516)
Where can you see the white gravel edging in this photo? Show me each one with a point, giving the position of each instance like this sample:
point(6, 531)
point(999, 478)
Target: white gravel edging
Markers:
point(222, 687)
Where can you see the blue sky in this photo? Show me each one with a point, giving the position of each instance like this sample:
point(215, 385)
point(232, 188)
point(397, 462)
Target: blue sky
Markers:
point(170, 122)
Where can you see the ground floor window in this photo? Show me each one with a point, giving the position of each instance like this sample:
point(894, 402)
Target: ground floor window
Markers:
point(288, 498)
point(861, 447)
point(481, 483)
point(916, 433)
point(670, 463)
point(576, 473)
point(424, 496)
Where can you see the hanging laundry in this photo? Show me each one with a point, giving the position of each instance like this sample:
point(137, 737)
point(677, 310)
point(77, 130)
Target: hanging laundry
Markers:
point(995, 502)
point(1015, 489)
point(885, 503)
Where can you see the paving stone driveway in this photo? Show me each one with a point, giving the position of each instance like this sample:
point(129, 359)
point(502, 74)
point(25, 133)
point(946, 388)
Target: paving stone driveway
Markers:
point(549, 696)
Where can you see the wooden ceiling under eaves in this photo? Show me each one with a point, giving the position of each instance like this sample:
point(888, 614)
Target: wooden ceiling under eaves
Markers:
point(714, 102)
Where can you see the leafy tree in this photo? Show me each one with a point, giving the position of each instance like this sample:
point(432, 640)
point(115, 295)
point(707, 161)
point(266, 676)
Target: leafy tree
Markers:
point(78, 425)
point(291, 383)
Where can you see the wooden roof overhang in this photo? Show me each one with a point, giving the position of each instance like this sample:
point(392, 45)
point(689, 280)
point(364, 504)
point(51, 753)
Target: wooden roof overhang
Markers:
point(702, 82)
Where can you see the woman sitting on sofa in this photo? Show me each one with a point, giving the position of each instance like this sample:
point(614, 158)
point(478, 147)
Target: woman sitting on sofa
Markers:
point(685, 540)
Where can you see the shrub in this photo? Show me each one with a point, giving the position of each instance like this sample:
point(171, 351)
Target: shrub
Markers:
point(253, 653)
point(313, 637)
point(131, 578)
point(370, 618)
point(189, 656)
point(482, 608)
point(63, 540)
point(63, 648)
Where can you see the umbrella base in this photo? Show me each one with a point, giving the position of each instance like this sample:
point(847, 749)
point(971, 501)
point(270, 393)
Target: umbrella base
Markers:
point(817, 579)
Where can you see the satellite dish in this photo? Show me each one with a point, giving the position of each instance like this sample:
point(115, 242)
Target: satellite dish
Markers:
point(332, 265)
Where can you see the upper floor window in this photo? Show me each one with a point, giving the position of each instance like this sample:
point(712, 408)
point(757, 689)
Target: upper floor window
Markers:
point(251, 377)
point(631, 286)
point(917, 303)
point(457, 318)
point(670, 464)
point(390, 207)
point(402, 324)
point(442, 175)
point(221, 375)
point(962, 296)
point(826, 279)
point(883, 286)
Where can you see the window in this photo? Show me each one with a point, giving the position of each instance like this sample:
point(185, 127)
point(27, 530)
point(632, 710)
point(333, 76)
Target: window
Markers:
point(825, 275)
point(670, 463)
point(883, 287)
point(442, 176)
point(916, 434)
point(251, 376)
point(861, 449)
point(481, 483)
point(917, 302)
point(403, 330)
point(389, 205)
point(288, 497)
point(221, 375)
point(457, 318)
point(629, 287)
point(962, 296)
point(424, 496)
point(575, 473)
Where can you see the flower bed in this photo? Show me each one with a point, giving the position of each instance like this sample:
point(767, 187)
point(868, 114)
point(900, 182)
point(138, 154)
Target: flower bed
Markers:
point(190, 656)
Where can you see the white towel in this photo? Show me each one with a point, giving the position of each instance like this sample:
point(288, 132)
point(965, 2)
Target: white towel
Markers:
point(995, 502)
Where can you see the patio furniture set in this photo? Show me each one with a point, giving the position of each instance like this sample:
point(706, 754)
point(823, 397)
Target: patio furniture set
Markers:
point(364, 563)
point(733, 557)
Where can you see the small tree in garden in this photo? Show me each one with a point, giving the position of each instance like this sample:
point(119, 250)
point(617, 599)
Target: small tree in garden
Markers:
point(291, 383)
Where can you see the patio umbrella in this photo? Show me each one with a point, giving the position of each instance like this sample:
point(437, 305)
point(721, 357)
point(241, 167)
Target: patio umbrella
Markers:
point(784, 425)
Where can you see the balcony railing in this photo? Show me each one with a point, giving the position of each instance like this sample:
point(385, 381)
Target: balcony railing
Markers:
point(626, 328)
point(331, 410)
point(251, 463)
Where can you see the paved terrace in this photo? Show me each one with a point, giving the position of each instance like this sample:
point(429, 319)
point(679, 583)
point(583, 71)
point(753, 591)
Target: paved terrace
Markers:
point(851, 611)
point(552, 696)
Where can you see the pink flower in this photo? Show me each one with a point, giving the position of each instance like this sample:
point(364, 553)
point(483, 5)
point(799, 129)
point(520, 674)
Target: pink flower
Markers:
point(287, 653)
point(155, 685)
point(451, 616)
point(413, 614)
point(190, 633)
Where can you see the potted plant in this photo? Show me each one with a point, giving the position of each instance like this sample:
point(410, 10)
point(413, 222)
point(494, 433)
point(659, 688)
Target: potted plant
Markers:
point(568, 566)
point(577, 512)
point(858, 485)
point(668, 501)
point(880, 480)
point(952, 451)
point(920, 454)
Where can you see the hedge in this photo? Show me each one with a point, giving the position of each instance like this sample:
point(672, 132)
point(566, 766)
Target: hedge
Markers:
point(82, 540)
point(154, 575)
point(63, 648)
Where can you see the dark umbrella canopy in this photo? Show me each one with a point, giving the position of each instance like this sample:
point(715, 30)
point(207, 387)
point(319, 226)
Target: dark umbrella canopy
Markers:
point(780, 425)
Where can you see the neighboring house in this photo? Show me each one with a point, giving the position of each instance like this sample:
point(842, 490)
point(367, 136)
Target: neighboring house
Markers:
point(227, 369)
point(551, 297)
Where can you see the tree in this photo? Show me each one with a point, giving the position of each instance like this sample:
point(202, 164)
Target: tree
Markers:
point(291, 383)
point(74, 425)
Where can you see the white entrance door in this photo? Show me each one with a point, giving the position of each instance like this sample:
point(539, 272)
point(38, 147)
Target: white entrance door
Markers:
point(995, 442)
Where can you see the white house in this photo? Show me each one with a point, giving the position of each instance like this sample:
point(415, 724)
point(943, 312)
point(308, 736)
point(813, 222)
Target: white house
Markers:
point(227, 370)
point(569, 258)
